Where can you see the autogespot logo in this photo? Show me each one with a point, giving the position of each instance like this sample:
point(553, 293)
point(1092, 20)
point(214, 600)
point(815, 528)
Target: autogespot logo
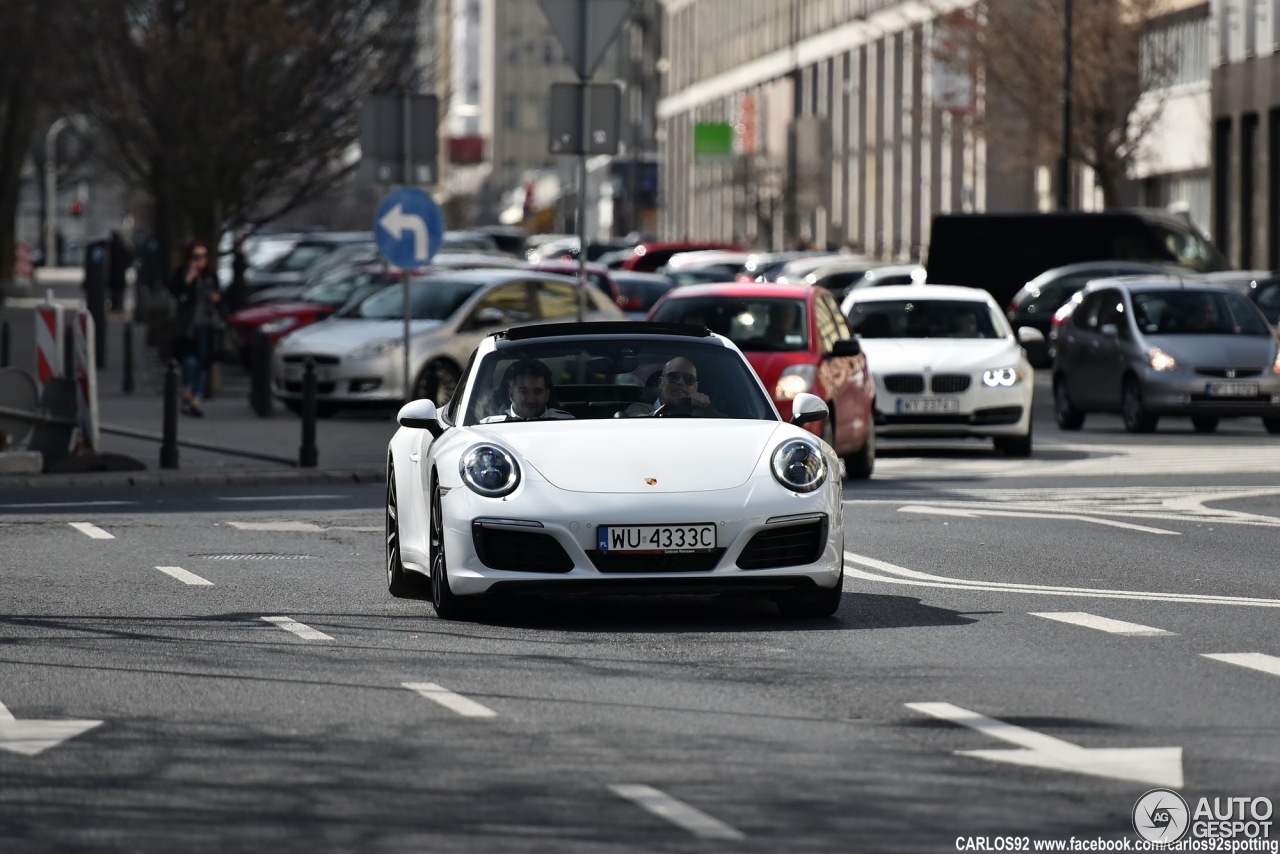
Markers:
point(1161, 815)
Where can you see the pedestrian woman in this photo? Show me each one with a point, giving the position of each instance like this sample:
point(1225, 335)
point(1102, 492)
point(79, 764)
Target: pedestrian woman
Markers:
point(198, 322)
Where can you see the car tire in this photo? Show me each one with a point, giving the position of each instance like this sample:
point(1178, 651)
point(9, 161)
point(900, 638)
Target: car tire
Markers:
point(400, 582)
point(1136, 418)
point(1064, 411)
point(813, 602)
point(1272, 425)
point(1205, 423)
point(1014, 446)
point(860, 464)
point(447, 604)
point(437, 382)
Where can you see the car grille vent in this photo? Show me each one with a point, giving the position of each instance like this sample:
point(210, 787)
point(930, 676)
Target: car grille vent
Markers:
point(794, 545)
point(950, 383)
point(904, 383)
point(320, 360)
point(519, 551)
point(1232, 373)
point(630, 562)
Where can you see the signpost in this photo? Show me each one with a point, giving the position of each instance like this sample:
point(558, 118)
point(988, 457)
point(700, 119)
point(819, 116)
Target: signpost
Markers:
point(399, 138)
point(408, 228)
point(585, 29)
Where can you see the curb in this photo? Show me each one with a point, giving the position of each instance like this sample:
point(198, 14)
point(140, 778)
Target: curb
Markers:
point(202, 478)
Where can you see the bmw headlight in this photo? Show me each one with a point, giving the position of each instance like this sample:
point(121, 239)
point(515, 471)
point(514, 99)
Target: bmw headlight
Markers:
point(490, 470)
point(799, 465)
point(1002, 377)
point(377, 348)
point(794, 379)
point(1160, 360)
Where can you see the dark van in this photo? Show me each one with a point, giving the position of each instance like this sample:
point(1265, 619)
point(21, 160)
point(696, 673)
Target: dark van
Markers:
point(1001, 252)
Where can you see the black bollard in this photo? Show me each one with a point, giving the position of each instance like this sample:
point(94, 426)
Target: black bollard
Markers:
point(4, 343)
point(307, 454)
point(127, 384)
point(69, 351)
point(260, 397)
point(169, 442)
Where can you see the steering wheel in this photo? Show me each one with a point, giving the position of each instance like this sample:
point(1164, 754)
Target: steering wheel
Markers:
point(679, 406)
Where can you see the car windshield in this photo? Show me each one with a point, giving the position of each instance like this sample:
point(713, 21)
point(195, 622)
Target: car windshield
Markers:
point(337, 288)
point(1188, 312)
point(619, 379)
point(755, 324)
point(933, 318)
point(643, 293)
point(301, 257)
point(430, 298)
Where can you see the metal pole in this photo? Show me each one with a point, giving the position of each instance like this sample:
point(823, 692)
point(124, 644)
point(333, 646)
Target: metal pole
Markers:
point(584, 10)
point(127, 386)
point(260, 375)
point(169, 442)
point(408, 180)
point(4, 343)
point(307, 454)
point(50, 193)
point(1064, 159)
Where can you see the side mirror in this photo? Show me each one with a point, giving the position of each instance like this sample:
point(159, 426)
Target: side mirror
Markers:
point(488, 317)
point(846, 347)
point(807, 408)
point(1030, 335)
point(420, 415)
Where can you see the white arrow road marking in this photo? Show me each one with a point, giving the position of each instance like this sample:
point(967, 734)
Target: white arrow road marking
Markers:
point(303, 631)
point(1102, 624)
point(677, 812)
point(1252, 660)
point(1156, 766)
point(913, 578)
point(184, 576)
point(396, 222)
point(1023, 514)
point(32, 737)
point(448, 699)
point(297, 527)
point(91, 531)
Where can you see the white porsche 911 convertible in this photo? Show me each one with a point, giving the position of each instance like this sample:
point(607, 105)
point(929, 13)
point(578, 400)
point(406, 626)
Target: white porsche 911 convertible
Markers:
point(615, 457)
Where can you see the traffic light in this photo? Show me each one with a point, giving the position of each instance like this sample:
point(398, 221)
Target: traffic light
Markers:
point(77, 208)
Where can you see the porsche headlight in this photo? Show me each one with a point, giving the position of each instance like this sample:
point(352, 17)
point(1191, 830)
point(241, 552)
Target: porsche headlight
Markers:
point(377, 348)
point(799, 465)
point(490, 470)
point(1002, 377)
point(794, 379)
point(1160, 360)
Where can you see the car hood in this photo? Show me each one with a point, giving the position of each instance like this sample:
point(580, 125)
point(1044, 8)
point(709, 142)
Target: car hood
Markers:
point(340, 334)
point(1218, 351)
point(263, 314)
point(940, 355)
point(679, 454)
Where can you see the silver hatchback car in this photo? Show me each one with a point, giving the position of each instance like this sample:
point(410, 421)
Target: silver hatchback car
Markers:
point(1147, 346)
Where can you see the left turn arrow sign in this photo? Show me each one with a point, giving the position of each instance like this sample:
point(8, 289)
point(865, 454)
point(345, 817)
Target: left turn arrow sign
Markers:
point(32, 737)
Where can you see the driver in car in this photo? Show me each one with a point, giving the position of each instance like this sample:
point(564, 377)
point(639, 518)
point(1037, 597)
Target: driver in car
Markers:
point(529, 388)
point(677, 388)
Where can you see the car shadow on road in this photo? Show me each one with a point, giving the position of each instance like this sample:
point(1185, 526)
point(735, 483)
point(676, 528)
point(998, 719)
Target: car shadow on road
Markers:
point(976, 453)
point(723, 613)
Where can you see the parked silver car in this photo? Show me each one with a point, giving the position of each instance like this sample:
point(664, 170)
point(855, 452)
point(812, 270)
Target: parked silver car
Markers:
point(358, 352)
point(1149, 346)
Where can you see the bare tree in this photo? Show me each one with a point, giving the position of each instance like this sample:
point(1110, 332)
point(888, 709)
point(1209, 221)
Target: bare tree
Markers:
point(233, 110)
point(1019, 45)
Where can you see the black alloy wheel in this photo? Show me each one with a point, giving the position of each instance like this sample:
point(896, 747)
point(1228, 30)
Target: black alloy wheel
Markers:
point(860, 464)
point(1064, 411)
point(400, 582)
point(1133, 411)
point(448, 605)
point(437, 382)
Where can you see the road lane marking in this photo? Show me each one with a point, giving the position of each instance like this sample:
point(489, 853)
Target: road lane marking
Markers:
point(448, 699)
point(281, 498)
point(303, 631)
point(184, 576)
point(677, 812)
point(1028, 514)
point(91, 531)
point(912, 578)
point(1252, 660)
point(297, 527)
point(1102, 624)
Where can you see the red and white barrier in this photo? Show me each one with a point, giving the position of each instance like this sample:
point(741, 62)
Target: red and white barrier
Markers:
point(86, 381)
point(49, 341)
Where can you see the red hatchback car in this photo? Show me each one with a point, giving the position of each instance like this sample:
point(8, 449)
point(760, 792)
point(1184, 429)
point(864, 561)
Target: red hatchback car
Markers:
point(797, 340)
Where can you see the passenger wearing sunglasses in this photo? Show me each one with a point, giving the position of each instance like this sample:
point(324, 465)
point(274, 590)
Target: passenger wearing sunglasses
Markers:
point(677, 393)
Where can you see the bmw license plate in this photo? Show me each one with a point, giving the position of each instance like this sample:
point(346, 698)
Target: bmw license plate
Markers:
point(1232, 390)
point(656, 538)
point(928, 404)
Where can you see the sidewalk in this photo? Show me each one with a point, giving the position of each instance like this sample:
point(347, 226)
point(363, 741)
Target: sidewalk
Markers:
point(351, 447)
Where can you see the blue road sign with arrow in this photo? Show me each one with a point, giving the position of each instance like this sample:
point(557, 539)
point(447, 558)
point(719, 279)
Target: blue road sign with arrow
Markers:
point(409, 227)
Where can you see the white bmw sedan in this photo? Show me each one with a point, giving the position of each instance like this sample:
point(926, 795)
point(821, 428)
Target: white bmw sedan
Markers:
point(557, 465)
point(945, 363)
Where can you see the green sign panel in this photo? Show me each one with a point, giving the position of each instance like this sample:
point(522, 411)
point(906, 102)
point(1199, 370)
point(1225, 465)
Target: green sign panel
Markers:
point(713, 139)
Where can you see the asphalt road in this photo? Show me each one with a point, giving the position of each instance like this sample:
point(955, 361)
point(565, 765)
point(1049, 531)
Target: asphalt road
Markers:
point(245, 683)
